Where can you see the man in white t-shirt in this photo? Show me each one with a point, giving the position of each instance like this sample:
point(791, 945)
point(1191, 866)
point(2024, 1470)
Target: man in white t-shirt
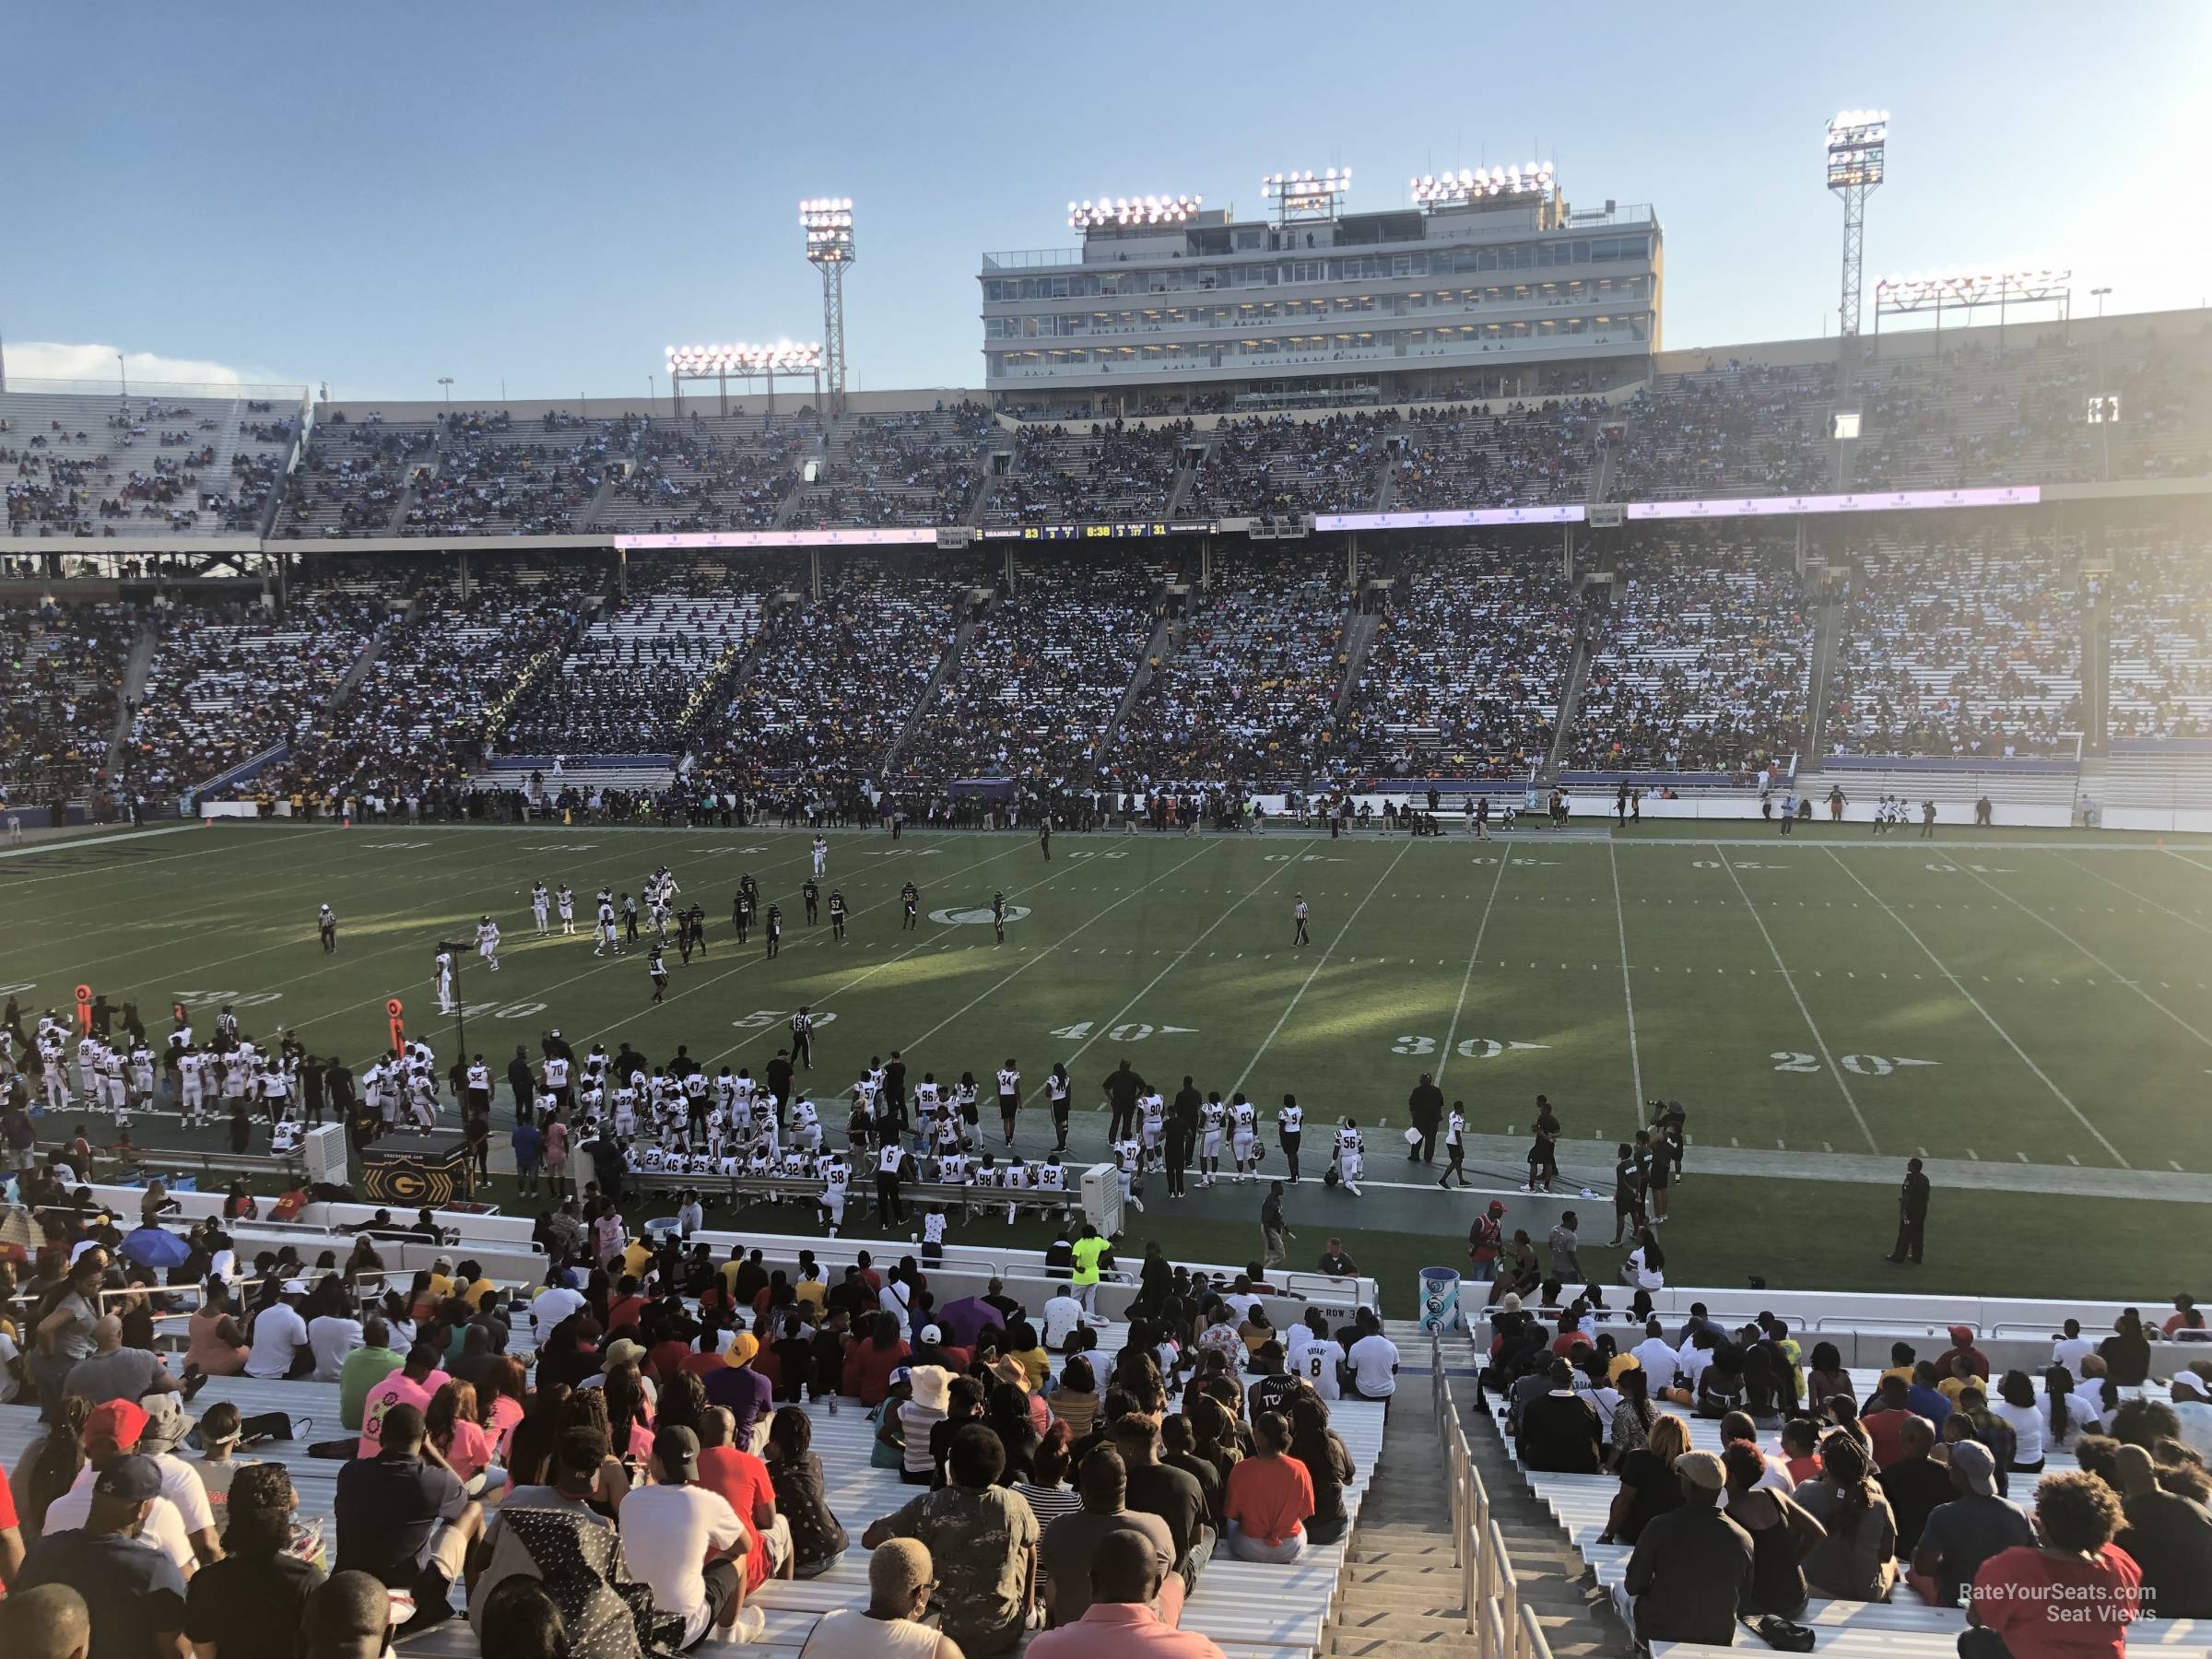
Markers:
point(673, 1526)
point(280, 1346)
point(1657, 1356)
point(112, 1433)
point(2072, 1347)
point(1373, 1359)
point(1062, 1313)
point(330, 1337)
point(552, 1305)
point(1320, 1362)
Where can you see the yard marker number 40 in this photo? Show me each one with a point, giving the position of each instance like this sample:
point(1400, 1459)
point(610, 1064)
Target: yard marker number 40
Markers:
point(1864, 1065)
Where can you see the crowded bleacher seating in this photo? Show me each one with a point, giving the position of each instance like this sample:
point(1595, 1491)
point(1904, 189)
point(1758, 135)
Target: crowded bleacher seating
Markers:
point(61, 677)
point(922, 467)
point(836, 678)
point(709, 472)
point(1958, 651)
point(626, 683)
point(1247, 691)
point(1467, 667)
point(1041, 675)
point(1524, 454)
point(227, 683)
point(1738, 428)
point(1068, 475)
point(1701, 661)
point(2160, 601)
point(1281, 464)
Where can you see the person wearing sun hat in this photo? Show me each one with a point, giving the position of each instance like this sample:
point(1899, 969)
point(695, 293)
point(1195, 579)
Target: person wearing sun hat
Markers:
point(1691, 1566)
point(167, 1424)
point(746, 1394)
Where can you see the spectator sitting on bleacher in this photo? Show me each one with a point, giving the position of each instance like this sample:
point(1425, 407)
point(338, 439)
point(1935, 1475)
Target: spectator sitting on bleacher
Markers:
point(137, 1592)
point(1268, 1497)
point(901, 1577)
point(1649, 1485)
point(1560, 1430)
point(2033, 1601)
point(365, 1367)
point(110, 1436)
point(983, 1539)
point(1692, 1567)
point(112, 1372)
point(1916, 1484)
point(1069, 1542)
point(2167, 1532)
point(402, 1515)
point(280, 1341)
point(1123, 1620)
point(553, 1534)
point(1856, 1561)
point(674, 1524)
point(1783, 1533)
point(818, 1540)
point(247, 1605)
point(1964, 1531)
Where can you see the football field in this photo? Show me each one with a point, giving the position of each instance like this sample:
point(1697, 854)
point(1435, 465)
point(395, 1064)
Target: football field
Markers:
point(2032, 1010)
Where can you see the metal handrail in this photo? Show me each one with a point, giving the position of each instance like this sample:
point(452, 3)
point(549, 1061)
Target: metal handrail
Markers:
point(1531, 1641)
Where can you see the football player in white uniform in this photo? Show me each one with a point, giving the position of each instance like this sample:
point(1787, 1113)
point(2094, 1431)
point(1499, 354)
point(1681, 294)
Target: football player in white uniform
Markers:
point(1350, 1155)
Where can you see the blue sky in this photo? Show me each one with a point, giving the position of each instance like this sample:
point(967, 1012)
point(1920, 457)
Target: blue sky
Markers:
point(548, 195)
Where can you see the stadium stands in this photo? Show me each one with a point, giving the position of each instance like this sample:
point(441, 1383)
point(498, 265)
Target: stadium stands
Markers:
point(709, 472)
point(227, 683)
point(917, 468)
point(1040, 677)
point(2161, 646)
point(418, 721)
point(61, 677)
point(1958, 651)
point(626, 684)
point(1465, 673)
point(1743, 428)
point(836, 678)
point(1066, 476)
point(1286, 466)
point(1523, 455)
point(1702, 662)
point(1248, 694)
point(180, 467)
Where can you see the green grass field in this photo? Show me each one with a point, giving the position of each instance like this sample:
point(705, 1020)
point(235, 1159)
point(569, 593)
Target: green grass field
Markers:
point(2034, 1009)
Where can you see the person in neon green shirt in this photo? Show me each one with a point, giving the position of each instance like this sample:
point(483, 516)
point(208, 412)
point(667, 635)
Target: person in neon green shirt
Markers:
point(1090, 1251)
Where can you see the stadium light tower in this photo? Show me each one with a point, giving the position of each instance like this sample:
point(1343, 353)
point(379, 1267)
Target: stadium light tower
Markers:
point(1856, 141)
point(1307, 195)
point(828, 222)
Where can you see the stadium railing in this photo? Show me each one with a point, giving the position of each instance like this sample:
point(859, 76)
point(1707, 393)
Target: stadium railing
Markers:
point(1502, 1625)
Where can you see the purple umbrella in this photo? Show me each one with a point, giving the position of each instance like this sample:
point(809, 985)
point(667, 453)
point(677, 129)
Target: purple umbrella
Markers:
point(964, 1319)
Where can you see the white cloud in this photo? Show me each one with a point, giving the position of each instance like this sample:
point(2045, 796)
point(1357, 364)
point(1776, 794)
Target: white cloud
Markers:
point(52, 359)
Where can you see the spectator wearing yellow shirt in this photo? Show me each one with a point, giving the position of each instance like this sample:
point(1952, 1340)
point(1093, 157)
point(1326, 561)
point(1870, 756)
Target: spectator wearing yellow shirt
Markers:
point(1090, 1251)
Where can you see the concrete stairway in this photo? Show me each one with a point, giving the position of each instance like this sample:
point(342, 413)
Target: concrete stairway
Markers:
point(1402, 1595)
point(137, 668)
point(1828, 639)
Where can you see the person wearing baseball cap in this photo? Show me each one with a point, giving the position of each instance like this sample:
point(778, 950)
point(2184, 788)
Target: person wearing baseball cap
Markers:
point(1691, 1566)
point(136, 1594)
point(112, 1432)
point(737, 1388)
point(1957, 1536)
point(673, 1526)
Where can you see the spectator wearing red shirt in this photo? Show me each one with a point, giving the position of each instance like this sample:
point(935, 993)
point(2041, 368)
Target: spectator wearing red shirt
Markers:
point(1962, 1347)
point(2071, 1598)
point(870, 1360)
point(1268, 1497)
point(1884, 1424)
point(743, 1481)
point(626, 1306)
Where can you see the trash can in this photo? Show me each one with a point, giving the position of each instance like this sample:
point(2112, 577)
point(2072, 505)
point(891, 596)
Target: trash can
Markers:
point(1440, 1300)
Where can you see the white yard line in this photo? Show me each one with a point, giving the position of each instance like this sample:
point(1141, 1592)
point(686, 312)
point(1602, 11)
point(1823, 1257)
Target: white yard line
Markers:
point(1628, 992)
point(1959, 985)
point(1790, 979)
point(1284, 1019)
point(1008, 979)
point(1467, 979)
point(1173, 962)
point(2185, 859)
point(2147, 899)
point(2102, 964)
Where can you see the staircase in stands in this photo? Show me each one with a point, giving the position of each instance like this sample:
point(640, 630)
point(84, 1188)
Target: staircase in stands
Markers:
point(1403, 1594)
point(1828, 639)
